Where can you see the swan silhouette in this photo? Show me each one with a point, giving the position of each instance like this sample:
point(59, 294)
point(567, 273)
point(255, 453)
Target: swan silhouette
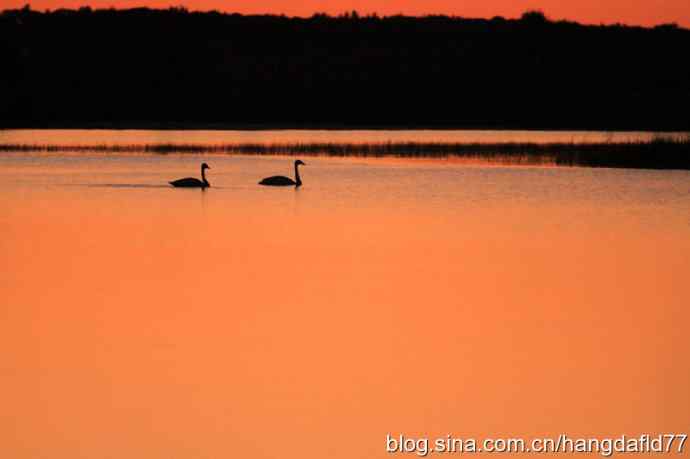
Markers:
point(279, 180)
point(191, 182)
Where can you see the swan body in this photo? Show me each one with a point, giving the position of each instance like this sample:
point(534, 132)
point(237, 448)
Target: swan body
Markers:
point(191, 182)
point(280, 180)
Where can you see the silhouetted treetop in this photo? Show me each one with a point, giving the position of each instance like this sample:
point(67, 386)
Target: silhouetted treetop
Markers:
point(534, 17)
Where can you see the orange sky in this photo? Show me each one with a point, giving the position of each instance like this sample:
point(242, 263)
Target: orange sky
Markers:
point(645, 12)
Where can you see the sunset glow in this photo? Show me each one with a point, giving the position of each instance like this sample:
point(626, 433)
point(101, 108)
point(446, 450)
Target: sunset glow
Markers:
point(636, 12)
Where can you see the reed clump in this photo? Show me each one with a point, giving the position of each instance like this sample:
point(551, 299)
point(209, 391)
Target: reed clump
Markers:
point(658, 153)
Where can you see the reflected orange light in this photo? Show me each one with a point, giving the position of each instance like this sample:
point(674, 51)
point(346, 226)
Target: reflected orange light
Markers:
point(247, 322)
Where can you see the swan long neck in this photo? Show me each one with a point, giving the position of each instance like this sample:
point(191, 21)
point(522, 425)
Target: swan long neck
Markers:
point(203, 176)
point(297, 179)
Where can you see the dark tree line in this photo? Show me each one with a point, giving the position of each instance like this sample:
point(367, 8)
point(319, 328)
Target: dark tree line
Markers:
point(145, 67)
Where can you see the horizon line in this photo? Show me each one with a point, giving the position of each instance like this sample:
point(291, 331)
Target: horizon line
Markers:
point(352, 14)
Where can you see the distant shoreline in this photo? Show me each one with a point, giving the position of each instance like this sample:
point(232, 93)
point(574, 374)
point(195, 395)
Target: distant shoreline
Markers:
point(152, 126)
point(658, 153)
point(135, 70)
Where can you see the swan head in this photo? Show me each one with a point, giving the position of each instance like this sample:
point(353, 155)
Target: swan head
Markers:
point(205, 166)
point(299, 163)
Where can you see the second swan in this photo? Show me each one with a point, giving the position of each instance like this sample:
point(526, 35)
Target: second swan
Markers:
point(280, 180)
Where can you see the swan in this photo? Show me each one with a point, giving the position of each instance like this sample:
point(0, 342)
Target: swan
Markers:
point(191, 182)
point(279, 180)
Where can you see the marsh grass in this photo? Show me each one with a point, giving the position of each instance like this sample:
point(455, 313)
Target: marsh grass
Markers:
point(658, 153)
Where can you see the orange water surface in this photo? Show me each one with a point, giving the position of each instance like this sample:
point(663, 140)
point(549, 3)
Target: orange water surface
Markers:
point(423, 298)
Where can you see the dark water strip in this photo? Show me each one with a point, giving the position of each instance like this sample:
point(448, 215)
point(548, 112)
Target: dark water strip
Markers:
point(658, 153)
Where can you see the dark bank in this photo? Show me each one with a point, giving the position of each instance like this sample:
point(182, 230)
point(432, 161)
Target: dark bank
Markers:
point(161, 68)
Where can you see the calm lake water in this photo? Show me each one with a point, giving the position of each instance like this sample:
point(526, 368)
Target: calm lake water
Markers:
point(384, 296)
